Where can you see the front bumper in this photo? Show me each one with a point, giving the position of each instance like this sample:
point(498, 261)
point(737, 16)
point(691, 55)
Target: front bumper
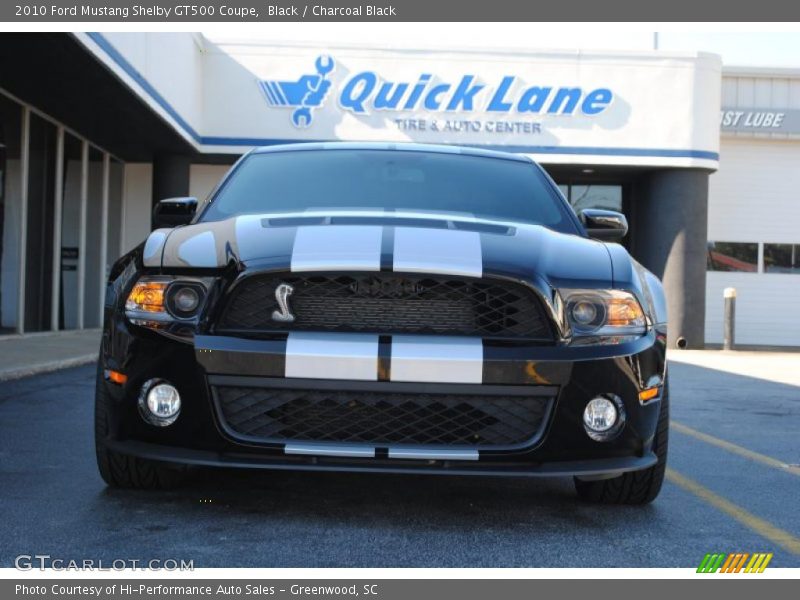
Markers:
point(572, 375)
point(598, 467)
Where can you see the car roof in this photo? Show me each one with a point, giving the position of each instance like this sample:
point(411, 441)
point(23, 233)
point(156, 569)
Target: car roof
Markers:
point(397, 146)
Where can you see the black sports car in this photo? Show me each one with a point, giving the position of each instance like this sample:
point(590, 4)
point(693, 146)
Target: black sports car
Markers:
point(385, 307)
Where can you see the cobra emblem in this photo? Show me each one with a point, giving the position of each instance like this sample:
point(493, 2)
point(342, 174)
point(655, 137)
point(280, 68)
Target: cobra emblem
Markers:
point(284, 314)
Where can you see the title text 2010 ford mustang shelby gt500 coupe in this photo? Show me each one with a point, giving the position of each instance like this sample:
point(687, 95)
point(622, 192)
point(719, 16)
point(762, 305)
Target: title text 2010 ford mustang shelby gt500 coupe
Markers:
point(385, 307)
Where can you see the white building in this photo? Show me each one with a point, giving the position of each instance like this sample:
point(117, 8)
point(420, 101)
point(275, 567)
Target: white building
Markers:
point(754, 206)
point(96, 127)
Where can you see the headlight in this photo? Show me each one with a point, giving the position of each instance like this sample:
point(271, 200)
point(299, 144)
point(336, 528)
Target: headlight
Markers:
point(603, 316)
point(183, 299)
point(166, 303)
point(186, 299)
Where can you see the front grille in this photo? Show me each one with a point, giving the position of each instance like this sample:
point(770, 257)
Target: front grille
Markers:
point(389, 303)
point(381, 418)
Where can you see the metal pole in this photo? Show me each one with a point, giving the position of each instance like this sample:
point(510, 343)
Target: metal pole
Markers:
point(55, 304)
point(123, 192)
point(104, 236)
point(82, 231)
point(23, 216)
point(729, 327)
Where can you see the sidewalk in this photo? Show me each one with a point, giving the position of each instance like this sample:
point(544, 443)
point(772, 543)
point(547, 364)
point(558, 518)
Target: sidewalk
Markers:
point(34, 353)
point(780, 367)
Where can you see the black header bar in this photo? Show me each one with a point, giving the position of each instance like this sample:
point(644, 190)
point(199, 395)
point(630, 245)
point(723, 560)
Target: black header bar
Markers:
point(250, 11)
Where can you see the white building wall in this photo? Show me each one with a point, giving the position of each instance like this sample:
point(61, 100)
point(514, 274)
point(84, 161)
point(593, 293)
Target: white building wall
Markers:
point(661, 100)
point(203, 179)
point(136, 204)
point(660, 111)
point(777, 89)
point(172, 63)
point(765, 308)
point(755, 197)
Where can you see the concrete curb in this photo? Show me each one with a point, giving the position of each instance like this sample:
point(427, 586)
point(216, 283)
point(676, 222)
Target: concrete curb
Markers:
point(47, 367)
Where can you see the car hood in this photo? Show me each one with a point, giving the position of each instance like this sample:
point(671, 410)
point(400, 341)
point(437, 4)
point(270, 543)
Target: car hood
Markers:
point(375, 241)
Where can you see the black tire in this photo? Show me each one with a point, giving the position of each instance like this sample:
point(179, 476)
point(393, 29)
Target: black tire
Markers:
point(119, 470)
point(636, 487)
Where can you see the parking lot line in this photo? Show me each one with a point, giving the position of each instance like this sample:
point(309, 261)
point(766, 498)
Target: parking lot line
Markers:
point(782, 538)
point(733, 448)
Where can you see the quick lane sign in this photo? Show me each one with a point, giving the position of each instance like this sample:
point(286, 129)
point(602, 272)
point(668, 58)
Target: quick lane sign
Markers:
point(760, 120)
point(367, 92)
point(573, 107)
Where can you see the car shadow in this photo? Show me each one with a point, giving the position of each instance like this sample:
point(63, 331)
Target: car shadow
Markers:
point(381, 499)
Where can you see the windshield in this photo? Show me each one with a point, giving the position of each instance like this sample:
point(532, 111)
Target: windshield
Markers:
point(390, 180)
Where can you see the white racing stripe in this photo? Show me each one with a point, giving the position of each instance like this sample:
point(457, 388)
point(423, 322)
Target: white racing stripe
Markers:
point(337, 248)
point(441, 251)
point(332, 356)
point(439, 359)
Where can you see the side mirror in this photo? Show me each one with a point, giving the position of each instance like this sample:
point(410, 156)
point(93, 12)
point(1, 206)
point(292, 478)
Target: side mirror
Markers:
point(171, 212)
point(605, 225)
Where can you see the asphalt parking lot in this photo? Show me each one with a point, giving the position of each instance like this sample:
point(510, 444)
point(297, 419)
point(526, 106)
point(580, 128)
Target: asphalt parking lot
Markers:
point(729, 489)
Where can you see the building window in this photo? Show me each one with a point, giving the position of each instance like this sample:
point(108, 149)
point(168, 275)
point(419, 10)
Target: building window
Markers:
point(608, 197)
point(69, 251)
point(10, 211)
point(60, 233)
point(782, 258)
point(93, 240)
point(732, 256)
point(41, 209)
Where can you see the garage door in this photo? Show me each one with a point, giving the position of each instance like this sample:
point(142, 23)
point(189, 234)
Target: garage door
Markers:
point(754, 241)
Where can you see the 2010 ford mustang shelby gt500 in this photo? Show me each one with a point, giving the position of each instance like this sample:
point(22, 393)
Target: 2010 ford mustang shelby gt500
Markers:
point(385, 307)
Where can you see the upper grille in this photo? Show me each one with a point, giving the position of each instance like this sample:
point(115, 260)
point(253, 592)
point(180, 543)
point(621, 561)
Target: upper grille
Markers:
point(389, 303)
point(381, 418)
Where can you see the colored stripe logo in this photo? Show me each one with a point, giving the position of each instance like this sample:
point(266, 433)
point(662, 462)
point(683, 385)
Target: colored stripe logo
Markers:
point(736, 562)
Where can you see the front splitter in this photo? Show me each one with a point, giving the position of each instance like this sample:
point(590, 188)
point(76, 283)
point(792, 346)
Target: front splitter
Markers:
point(182, 456)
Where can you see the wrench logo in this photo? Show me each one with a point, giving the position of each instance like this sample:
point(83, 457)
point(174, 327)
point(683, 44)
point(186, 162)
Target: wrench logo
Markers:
point(304, 95)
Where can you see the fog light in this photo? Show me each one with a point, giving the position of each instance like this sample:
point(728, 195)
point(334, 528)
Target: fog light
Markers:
point(159, 403)
point(604, 417)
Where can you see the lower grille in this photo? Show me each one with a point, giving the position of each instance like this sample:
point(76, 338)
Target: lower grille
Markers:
point(381, 418)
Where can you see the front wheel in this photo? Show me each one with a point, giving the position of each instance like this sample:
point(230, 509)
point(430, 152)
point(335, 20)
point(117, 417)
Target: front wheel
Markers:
point(119, 470)
point(636, 487)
